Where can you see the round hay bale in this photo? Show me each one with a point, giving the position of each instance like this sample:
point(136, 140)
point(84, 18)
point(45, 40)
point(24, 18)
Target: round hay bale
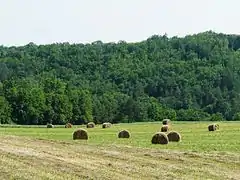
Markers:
point(166, 121)
point(160, 138)
point(164, 128)
point(212, 127)
point(50, 126)
point(80, 134)
point(68, 125)
point(90, 125)
point(106, 125)
point(174, 136)
point(124, 134)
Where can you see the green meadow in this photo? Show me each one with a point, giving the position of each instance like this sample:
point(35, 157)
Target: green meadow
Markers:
point(195, 135)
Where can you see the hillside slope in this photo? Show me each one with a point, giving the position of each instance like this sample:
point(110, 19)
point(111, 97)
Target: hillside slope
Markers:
point(190, 78)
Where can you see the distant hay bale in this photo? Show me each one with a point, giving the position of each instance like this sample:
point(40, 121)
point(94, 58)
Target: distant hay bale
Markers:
point(106, 125)
point(50, 126)
point(90, 125)
point(166, 121)
point(124, 134)
point(68, 125)
point(164, 128)
point(213, 127)
point(160, 138)
point(174, 136)
point(80, 134)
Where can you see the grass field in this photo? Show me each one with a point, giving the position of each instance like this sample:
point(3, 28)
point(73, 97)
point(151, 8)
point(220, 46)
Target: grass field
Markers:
point(42, 153)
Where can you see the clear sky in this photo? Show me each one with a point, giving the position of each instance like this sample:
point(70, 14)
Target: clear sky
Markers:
point(83, 21)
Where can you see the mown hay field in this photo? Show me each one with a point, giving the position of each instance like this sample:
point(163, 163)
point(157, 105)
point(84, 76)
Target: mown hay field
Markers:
point(195, 135)
point(37, 152)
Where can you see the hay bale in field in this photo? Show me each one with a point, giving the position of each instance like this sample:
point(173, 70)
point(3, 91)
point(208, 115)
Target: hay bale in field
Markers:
point(80, 134)
point(106, 125)
point(50, 126)
point(68, 125)
point(90, 125)
point(213, 127)
point(124, 134)
point(166, 121)
point(164, 128)
point(160, 138)
point(174, 136)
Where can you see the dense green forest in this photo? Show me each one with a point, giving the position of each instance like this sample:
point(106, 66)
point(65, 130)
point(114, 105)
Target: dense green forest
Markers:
point(192, 78)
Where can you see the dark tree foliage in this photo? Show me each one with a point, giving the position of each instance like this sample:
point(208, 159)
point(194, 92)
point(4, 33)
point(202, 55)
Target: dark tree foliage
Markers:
point(192, 78)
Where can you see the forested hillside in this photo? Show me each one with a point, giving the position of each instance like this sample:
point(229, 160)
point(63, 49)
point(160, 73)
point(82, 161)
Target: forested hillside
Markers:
point(192, 78)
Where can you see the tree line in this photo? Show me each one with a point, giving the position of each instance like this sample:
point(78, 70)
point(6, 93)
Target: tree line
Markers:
point(191, 78)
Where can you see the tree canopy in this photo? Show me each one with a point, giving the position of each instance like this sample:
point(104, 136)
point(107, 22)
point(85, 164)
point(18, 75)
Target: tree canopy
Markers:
point(191, 78)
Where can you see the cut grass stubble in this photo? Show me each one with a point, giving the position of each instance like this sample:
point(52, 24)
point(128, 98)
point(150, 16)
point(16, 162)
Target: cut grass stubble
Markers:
point(51, 153)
